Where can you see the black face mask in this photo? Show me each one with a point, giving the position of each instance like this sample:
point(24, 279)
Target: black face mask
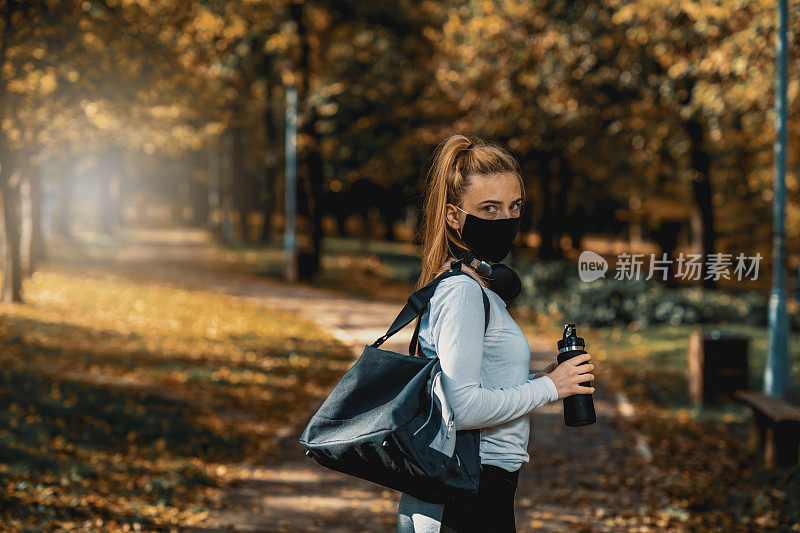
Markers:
point(491, 239)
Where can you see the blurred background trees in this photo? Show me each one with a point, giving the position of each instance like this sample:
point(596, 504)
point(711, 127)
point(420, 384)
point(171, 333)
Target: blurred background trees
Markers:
point(143, 154)
point(645, 124)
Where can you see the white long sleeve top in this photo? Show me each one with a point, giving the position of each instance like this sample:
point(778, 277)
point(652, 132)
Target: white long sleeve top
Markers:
point(485, 377)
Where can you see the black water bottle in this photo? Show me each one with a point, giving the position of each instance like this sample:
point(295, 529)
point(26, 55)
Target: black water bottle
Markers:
point(578, 408)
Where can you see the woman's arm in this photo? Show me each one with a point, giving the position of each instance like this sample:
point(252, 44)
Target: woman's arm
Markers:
point(552, 366)
point(457, 320)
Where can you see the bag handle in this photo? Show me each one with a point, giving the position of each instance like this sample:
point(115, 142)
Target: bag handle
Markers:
point(418, 302)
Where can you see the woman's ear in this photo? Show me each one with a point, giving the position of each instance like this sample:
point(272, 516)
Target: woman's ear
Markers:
point(451, 216)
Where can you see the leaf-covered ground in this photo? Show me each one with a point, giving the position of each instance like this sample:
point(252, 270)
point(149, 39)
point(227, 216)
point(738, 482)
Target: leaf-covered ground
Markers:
point(123, 404)
point(128, 403)
point(700, 453)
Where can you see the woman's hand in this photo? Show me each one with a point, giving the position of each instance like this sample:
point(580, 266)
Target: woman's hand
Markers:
point(570, 373)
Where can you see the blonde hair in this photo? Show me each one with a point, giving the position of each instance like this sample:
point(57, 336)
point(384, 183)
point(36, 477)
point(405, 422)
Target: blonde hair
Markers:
point(458, 159)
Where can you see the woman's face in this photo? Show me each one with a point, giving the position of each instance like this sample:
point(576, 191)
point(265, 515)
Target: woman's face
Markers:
point(491, 197)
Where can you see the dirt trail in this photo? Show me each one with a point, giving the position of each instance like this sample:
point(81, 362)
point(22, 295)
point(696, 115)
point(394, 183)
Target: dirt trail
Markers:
point(578, 479)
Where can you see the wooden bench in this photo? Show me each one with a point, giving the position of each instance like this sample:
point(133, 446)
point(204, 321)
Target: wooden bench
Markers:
point(775, 428)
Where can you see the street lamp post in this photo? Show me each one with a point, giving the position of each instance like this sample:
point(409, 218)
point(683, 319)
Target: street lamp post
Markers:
point(776, 373)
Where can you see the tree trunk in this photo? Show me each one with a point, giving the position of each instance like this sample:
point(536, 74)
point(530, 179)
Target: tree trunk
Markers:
point(666, 236)
point(63, 216)
point(315, 172)
point(111, 177)
point(552, 170)
point(106, 209)
point(267, 199)
point(198, 194)
point(224, 185)
point(239, 187)
point(309, 160)
point(701, 185)
point(213, 175)
point(12, 273)
point(31, 242)
point(563, 185)
point(121, 183)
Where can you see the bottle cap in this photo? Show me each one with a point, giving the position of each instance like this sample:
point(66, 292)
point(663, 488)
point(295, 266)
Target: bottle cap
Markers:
point(571, 341)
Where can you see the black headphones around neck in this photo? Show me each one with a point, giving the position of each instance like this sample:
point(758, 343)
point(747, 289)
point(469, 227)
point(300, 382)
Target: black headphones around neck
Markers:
point(502, 279)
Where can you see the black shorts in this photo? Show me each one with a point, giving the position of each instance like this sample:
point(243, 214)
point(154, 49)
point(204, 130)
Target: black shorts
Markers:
point(491, 509)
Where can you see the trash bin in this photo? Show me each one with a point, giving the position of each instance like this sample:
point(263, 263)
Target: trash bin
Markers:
point(717, 365)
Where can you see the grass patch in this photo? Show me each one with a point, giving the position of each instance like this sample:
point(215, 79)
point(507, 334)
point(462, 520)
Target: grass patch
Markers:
point(654, 361)
point(708, 472)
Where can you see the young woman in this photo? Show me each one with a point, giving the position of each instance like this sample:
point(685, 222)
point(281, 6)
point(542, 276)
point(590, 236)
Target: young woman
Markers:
point(472, 202)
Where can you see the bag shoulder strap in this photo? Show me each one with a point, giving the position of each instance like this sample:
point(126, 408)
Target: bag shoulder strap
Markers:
point(414, 348)
point(418, 302)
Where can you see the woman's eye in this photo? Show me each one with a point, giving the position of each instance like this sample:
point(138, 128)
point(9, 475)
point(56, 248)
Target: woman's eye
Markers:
point(513, 208)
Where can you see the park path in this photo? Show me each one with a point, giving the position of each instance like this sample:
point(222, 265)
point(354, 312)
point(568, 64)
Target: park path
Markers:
point(578, 479)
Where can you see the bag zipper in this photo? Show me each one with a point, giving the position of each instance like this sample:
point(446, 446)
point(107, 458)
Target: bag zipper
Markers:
point(450, 423)
point(433, 384)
